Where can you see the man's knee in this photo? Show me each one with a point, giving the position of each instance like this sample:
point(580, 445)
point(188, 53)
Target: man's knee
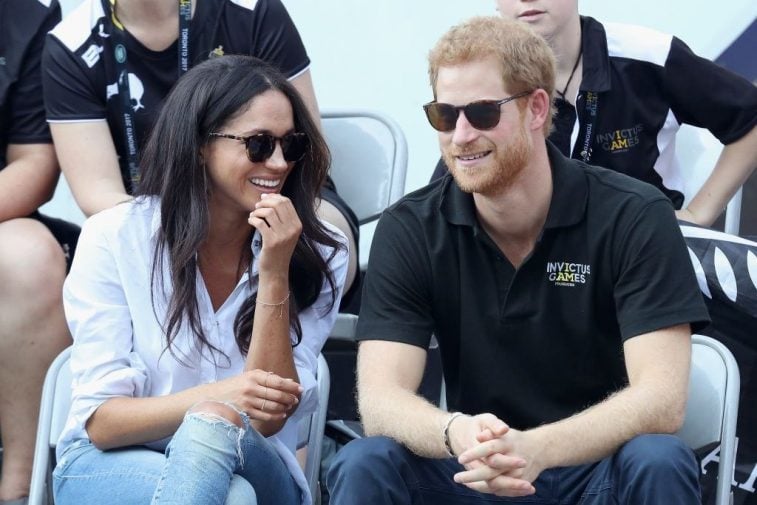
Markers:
point(366, 454)
point(661, 455)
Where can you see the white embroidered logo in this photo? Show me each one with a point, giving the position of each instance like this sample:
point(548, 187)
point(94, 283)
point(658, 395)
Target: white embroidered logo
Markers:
point(92, 55)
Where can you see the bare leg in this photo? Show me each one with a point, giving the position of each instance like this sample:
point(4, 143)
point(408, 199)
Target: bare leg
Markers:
point(331, 214)
point(33, 331)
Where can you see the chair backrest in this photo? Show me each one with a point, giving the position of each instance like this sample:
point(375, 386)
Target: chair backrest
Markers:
point(712, 407)
point(369, 164)
point(56, 401)
point(53, 412)
point(316, 428)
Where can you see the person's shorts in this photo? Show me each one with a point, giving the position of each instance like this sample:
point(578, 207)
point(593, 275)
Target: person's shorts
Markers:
point(67, 234)
point(329, 193)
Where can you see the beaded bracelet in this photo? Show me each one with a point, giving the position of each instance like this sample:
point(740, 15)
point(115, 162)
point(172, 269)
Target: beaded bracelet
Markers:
point(280, 305)
point(445, 433)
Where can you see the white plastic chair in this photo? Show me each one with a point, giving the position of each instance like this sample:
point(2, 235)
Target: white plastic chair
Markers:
point(713, 406)
point(56, 400)
point(369, 164)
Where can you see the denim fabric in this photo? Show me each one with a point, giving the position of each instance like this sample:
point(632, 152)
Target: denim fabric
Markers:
point(649, 469)
point(208, 461)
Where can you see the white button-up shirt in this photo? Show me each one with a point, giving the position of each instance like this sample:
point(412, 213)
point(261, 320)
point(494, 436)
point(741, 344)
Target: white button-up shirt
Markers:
point(119, 344)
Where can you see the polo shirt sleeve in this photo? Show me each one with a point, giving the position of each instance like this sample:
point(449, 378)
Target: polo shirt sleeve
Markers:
point(396, 302)
point(70, 94)
point(276, 40)
point(26, 110)
point(706, 95)
point(655, 285)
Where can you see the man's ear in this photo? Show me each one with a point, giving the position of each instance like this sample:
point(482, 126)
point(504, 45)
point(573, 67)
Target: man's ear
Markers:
point(540, 105)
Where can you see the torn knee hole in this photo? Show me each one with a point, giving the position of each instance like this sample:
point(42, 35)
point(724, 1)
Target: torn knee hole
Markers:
point(216, 411)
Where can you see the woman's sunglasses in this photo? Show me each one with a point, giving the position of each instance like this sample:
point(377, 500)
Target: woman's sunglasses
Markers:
point(260, 146)
point(482, 114)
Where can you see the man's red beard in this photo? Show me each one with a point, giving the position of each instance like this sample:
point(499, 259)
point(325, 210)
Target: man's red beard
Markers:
point(508, 163)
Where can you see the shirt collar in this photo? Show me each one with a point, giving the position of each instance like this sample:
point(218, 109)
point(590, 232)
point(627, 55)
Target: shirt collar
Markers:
point(569, 190)
point(569, 195)
point(596, 64)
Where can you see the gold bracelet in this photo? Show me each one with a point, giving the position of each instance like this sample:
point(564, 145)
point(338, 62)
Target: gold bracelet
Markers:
point(280, 305)
point(445, 433)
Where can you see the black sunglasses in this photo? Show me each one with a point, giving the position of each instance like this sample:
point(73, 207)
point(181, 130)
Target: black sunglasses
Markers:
point(482, 114)
point(260, 146)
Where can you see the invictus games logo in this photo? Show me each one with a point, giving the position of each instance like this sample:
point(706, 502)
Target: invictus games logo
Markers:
point(621, 140)
point(563, 273)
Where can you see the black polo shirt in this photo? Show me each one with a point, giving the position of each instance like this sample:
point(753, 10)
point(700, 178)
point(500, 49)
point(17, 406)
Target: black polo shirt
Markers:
point(539, 343)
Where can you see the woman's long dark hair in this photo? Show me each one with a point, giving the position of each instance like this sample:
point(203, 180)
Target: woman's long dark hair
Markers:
point(203, 101)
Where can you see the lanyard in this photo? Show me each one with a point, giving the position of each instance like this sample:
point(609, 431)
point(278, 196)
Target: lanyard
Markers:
point(590, 110)
point(124, 93)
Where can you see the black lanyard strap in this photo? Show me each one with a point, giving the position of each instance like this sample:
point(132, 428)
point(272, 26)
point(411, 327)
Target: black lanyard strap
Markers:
point(120, 56)
point(590, 116)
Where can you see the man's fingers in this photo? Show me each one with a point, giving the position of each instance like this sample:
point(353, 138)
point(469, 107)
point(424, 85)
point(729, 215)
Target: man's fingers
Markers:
point(481, 473)
point(493, 424)
point(482, 450)
point(503, 486)
point(505, 463)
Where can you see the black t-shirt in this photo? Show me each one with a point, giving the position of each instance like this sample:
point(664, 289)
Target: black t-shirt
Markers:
point(79, 68)
point(540, 343)
point(23, 25)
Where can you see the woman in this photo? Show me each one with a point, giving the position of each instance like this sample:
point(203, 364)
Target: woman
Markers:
point(199, 308)
point(111, 63)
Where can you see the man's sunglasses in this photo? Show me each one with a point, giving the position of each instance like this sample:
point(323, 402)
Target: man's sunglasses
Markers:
point(260, 146)
point(482, 114)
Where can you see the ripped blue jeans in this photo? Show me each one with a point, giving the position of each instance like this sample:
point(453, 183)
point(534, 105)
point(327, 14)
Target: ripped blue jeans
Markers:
point(209, 461)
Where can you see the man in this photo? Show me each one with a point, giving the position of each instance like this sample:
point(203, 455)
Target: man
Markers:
point(34, 249)
point(622, 93)
point(561, 296)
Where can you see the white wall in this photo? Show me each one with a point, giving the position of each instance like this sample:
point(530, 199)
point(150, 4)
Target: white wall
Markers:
point(372, 54)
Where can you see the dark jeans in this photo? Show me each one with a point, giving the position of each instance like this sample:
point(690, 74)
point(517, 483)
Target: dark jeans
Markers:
point(649, 469)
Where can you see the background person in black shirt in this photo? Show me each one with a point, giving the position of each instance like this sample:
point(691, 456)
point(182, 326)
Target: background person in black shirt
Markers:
point(34, 249)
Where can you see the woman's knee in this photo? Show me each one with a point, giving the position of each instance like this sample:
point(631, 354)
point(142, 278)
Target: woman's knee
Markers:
point(216, 411)
point(241, 492)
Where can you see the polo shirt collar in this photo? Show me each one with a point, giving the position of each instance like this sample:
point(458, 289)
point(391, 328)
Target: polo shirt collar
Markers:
point(456, 205)
point(570, 190)
point(596, 65)
point(569, 195)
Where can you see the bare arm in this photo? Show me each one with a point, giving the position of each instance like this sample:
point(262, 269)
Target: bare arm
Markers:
point(88, 159)
point(123, 421)
point(270, 345)
point(389, 374)
point(654, 402)
point(735, 164)
point(28, 180)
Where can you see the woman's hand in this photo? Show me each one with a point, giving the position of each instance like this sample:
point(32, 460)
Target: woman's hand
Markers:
point(264, 396)
point(274, 216)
